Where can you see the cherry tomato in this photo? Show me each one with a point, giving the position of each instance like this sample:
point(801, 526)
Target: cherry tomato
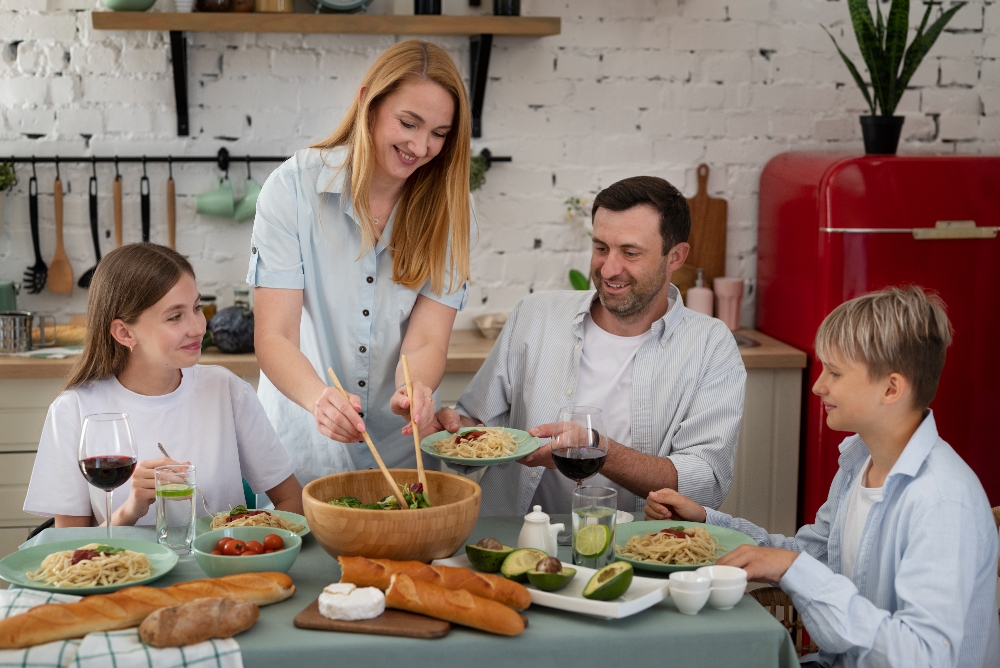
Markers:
point(221, 545)
point(234, 548)
point(266, 551)
point(248, 553)
point(255, 547)
point(273, 541)
point(215, 552)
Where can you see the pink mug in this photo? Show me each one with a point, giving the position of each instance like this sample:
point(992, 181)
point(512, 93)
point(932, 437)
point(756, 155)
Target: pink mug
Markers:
point(728, 300)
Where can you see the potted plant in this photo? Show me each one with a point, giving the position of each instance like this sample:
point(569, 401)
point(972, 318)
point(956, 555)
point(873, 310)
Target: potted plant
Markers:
point(890, 63)
point(7, 180)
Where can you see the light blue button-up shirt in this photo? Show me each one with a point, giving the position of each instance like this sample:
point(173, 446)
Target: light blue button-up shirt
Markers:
point(923, 591)
point(354, 317)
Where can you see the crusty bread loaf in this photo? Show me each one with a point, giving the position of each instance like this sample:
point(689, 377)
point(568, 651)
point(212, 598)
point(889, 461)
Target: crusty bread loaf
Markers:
point(197, 621)
point(128, 607)
point(457, 606)
point(365, 572)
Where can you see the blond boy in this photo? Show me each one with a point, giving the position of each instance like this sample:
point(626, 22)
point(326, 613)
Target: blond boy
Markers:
point(900, 566)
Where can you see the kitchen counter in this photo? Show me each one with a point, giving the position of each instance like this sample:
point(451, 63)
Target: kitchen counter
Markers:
point(466, 353)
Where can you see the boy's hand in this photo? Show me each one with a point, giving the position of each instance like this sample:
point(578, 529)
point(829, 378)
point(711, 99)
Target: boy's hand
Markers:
point(762, 564)
point(667, 504)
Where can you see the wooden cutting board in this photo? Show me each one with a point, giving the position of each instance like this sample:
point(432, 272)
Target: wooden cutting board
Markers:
point(389, 623)
point(707, 239)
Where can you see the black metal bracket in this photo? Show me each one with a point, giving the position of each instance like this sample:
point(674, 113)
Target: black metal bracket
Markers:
point(480, 47)
point(178, 55)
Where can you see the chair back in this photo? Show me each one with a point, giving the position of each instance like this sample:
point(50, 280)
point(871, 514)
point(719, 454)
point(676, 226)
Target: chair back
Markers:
point(773, 598)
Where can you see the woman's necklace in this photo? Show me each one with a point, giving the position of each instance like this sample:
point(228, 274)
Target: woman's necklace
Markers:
point(391, 207)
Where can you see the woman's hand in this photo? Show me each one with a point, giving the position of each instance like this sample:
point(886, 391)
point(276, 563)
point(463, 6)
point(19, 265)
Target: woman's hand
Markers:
point(338, 418)
point(667, 504)
point(423, 405)
point(142, 492)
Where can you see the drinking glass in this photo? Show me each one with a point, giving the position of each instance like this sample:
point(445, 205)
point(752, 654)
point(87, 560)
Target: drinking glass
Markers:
point(595, 510)
point(107, 454)
point(175, 509)
point(579, 442)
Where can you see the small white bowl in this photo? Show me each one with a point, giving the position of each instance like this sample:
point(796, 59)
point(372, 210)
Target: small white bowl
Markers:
point(689, 581)
point(725, 598)
point(689, 602)
point(724, 576)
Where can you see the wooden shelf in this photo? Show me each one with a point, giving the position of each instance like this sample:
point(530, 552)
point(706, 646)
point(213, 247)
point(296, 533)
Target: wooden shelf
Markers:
point(369, 24)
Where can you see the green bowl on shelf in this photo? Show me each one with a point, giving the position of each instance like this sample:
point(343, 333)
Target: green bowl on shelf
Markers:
point(128, 5)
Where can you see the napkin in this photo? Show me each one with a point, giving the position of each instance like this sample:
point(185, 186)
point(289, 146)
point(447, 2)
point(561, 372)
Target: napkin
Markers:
point(123, 648)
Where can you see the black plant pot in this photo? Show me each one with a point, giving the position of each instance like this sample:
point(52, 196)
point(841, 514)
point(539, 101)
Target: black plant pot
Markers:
point(881, 134)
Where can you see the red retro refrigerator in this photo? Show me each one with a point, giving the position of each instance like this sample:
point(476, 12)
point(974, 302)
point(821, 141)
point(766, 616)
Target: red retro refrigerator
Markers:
point(832, 227)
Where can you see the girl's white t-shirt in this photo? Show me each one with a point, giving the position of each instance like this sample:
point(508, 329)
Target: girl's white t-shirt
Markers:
point(213, 419)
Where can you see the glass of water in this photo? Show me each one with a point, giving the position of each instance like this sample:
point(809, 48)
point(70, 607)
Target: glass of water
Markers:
point(594, 513)
point(175, 492)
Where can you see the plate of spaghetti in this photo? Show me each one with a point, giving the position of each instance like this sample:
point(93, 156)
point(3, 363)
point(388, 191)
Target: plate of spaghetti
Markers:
point(88, 566)
point(672, 545)
point(241, 517)
point(480, 446)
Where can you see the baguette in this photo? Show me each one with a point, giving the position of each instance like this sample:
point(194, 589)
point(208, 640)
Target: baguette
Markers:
point(128, 607)
point(365, 572)
point(457, 606)
point(197, 621)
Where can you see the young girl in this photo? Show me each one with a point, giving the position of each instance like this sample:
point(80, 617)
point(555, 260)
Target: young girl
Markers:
point(143, 343)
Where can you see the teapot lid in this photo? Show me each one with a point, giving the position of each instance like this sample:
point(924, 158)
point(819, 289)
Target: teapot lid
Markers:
point(536, 515)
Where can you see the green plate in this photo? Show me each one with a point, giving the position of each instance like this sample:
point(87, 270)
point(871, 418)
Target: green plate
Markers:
point(204, 523)
point(729, 539)
point(527, 446)
point(14, 566)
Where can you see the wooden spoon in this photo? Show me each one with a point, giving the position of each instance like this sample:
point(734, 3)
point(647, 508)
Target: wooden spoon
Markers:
point(421, 475)
point(60, 270)
point(118, 211)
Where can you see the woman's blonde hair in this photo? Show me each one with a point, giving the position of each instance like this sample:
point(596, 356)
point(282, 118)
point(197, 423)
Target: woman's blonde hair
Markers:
point(435, 200)
point(128, 281)
point(895, 330)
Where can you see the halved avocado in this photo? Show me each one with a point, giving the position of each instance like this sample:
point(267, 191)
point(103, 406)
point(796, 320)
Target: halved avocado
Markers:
point(486, 559)
point(610, 582)
point(547, 581)
point(517, 564)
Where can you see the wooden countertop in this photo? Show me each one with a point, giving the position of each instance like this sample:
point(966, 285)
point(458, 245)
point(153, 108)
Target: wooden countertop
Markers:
point(466, 353)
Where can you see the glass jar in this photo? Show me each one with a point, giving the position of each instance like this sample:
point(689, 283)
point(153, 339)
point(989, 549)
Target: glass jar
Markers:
point(214, 5)
point(208, 306)
point(241, 298)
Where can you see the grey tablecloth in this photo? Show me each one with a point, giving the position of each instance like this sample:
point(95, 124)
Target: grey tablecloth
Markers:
point(746, 636)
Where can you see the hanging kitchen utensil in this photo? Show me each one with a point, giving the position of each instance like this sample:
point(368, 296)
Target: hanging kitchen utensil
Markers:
point(88, 276)
point(35, 275)
point(118, 206)
point(707, 238)
point(144, 201)
point(171, 206)
point(60, 271)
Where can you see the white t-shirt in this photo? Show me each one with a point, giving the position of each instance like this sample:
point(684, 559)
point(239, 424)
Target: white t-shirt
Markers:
point(862, 500)
point(603, 381)
point(213, 419)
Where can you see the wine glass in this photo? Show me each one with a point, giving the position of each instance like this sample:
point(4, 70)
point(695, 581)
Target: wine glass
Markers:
point(579, 442)
point(107, 454)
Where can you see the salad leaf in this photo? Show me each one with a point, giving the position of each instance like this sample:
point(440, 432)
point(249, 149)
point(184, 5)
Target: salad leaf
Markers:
point(107, 549)
point(238, 510)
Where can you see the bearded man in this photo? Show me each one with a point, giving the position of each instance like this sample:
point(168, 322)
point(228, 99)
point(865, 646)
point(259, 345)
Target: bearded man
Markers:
point(669, 381)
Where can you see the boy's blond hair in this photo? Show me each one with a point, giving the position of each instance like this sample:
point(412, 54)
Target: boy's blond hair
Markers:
point(894, 330)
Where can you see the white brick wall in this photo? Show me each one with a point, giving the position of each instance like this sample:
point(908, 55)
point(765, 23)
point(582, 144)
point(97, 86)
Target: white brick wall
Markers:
point(629, 87)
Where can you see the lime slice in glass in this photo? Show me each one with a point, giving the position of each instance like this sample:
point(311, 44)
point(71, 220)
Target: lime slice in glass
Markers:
point(175, 490)
point(592, 540)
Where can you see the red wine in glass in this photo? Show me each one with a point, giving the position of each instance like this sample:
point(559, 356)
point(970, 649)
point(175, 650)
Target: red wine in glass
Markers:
point(107, 473)
point(107, 454)
point(579, 463)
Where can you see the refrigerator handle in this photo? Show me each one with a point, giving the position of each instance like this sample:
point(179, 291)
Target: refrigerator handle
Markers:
point(954, 229)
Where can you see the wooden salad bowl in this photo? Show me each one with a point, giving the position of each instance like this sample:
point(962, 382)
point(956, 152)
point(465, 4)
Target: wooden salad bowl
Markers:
point(423, 535)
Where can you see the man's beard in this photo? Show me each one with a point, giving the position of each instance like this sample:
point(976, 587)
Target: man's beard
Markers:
point(634, 303)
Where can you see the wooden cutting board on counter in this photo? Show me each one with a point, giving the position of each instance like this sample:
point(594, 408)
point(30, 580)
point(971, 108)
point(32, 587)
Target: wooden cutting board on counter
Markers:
point(389, 623)
point(707, 238)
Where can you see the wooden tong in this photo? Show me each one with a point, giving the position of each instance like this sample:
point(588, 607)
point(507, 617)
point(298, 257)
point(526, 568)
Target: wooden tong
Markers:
point(371, 446)
point(421, 475)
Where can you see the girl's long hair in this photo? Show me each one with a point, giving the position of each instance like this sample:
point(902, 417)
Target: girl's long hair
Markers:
point(128, 281)
point(435, 199)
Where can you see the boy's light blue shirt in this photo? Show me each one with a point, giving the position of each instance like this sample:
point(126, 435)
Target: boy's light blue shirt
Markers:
point(923, 591)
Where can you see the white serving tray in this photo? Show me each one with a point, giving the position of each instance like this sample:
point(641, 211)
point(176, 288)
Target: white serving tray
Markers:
point(644, 593)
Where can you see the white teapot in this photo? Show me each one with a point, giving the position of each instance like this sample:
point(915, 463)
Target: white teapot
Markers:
point(538, 533)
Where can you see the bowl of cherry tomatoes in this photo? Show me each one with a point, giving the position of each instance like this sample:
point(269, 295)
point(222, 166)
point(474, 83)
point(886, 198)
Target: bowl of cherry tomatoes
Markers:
point(246, 550)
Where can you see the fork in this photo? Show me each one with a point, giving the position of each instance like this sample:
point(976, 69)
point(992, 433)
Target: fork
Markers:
point(201, 494)
point(35, 275)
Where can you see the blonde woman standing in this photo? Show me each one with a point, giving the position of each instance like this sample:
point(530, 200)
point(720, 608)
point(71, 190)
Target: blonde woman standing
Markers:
point(360, 252)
